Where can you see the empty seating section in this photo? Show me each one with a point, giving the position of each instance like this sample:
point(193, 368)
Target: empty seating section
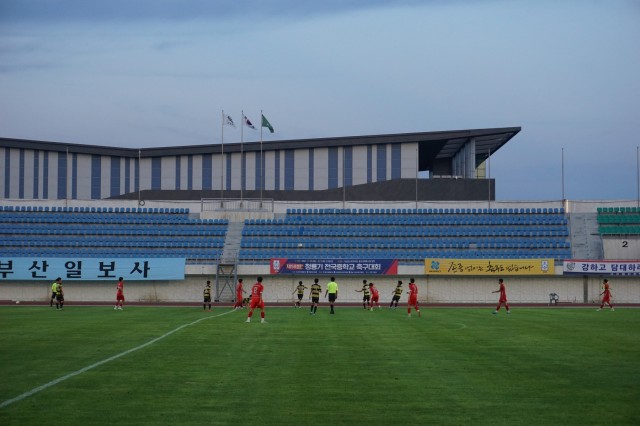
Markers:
point(409, 234)
point(619, 220)
point(112, 232)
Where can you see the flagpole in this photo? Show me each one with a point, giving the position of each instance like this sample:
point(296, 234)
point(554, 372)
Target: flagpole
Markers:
point(261, 162)
point(417, 171)
point(489, 177)
point(562, 174)
point(222, 160)
point(241, 151)
point(344, 186)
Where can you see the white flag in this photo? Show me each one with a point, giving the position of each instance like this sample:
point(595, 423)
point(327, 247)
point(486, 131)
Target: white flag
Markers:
point(248, 123)
point(229, 121)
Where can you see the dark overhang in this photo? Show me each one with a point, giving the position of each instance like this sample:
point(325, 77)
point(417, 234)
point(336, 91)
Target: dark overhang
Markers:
point(432, 146)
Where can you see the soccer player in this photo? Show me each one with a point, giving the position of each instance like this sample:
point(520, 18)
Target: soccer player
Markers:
point(256, 300)
point(413, 297)
point(397, 292)
point(606, 295)
point(503, 297)
point(314, 295)
point(375, 296)
point(53, 290)
point(59, 294)
point(366, 294)
point(332, 291)
point(207, 296)
point(119, 294)
point(239, 296)
point(300, 289)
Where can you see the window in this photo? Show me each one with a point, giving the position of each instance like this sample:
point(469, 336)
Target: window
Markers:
point(348, 166)
point(156, 173)
point(289, 169)
point(96, 178)
point(381, 163)
point(333, 167)
point(115, 176)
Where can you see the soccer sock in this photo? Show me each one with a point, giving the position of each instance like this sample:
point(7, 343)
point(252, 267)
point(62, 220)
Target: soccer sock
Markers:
point(262, 314)
point(315, 309)
point(250, 314)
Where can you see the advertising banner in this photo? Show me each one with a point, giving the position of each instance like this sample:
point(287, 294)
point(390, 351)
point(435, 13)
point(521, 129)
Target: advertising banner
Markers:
point(91, 269)
point(601, 267)
point(334, 266)
point(489, 266)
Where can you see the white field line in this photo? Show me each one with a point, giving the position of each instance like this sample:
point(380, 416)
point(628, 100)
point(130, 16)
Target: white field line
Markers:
point(99, 363)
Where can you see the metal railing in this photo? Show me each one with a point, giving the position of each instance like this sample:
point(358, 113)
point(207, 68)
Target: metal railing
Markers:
point(237, 204)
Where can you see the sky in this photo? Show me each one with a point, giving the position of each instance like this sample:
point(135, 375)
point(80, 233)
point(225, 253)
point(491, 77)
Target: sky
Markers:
point(154, 73)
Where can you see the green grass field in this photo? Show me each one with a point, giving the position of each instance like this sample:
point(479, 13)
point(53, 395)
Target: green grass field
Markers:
point(452, 366)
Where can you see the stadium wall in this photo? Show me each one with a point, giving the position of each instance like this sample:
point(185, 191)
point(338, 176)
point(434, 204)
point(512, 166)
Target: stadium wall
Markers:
point(572, 290)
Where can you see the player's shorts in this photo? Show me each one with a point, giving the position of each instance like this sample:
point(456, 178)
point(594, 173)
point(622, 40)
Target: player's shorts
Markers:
point(53, 295)
point(59, 297)
point(120, 297)
point(375, 298)
point(315, 299)
point(606, 299)
point(300, 296)
point(366, 298)
point(395, 299)
point(502, 300)
point(332, 297)
point(207, 299)
point(256, 303)
point(413, 301)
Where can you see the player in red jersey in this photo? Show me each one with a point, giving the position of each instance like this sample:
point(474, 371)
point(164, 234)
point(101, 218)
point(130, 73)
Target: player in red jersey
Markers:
point(256, 300)
point(503, 297)
point(606, 295)
point(119, 293)
point(239, 295)
point(375, 296)
point(413, 297)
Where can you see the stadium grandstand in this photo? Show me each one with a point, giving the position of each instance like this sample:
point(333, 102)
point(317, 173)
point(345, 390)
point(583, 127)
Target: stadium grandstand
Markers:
point(382, 207)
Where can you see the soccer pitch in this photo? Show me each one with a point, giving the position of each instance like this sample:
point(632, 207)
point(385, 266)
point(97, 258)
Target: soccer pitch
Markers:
point(179, 365)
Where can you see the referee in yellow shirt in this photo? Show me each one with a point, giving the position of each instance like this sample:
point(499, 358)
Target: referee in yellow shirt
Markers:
point(332, 291)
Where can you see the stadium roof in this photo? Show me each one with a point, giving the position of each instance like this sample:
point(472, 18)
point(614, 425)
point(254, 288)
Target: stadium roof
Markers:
point(432, 146)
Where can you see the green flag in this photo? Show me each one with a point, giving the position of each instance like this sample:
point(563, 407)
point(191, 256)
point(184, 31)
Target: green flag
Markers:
point(265, 123)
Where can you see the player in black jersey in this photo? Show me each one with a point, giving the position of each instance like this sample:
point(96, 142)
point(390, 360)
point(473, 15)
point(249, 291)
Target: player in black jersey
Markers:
point(366, 294)
point(300, 289)
point(314, 295)
point(207, 296)
point(396, 295)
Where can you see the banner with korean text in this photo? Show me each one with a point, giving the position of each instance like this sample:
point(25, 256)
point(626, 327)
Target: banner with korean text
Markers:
point(91, 269)
point(601, 267)
point(334, 266)
point(489, 266)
